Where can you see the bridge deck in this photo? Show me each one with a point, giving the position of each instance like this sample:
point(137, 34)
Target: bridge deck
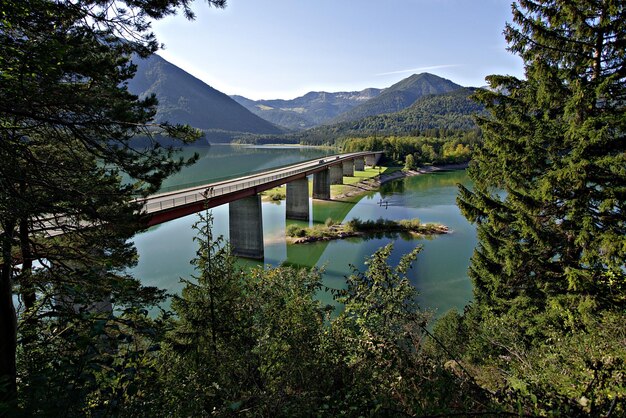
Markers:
point(164, 207)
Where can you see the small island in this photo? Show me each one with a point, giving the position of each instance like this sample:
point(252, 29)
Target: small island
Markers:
point(357, 228)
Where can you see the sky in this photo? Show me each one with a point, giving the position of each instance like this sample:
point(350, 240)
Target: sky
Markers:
point(282, 49)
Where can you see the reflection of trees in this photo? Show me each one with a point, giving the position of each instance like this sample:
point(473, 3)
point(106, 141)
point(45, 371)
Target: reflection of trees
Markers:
point(337, 210)
point(437, 179)
point(403, 235)
point(426, 182)
point(307, 255)
point(391, 188)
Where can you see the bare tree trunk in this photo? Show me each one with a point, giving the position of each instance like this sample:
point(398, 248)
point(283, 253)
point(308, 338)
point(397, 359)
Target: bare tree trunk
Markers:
point(8, 320)
point(26, 286)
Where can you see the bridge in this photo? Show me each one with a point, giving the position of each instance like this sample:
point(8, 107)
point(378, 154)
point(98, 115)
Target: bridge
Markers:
point(242, 195)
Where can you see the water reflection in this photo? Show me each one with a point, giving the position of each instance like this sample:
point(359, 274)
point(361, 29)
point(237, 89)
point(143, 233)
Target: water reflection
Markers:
point(440, 272)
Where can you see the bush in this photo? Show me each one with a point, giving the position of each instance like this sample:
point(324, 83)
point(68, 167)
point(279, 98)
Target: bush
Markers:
point(294, 230)
point(411, 224)
point(352, 225)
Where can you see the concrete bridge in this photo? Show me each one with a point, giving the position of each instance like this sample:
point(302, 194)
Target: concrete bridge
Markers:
point(242, 195)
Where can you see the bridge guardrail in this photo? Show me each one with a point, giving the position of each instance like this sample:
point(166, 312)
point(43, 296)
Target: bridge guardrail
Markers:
point(173, 202)
point(218, 190)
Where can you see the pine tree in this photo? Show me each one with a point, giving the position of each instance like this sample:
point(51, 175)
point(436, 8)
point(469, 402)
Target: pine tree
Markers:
point(244, 341)
point(549, 200)
point(550, 179)
point(66, 121)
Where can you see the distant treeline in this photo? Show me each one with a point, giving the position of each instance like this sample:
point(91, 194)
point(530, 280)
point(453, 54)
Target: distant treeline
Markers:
point(429, 116)
point(454, 111)
point(439, 147)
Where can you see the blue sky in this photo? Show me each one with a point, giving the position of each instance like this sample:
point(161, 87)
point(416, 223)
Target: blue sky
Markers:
point(268, 49)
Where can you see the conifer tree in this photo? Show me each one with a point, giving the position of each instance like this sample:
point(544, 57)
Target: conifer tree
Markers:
point(549, 200)
point(550, 188)
point(66, 122)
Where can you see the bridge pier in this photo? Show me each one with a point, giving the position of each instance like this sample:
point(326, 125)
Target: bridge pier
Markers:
point(336, 174)
point(246, 227)
point(348, 168)
point(298, 200)
point(359, 164)
point(372, 159)
point(321, 185)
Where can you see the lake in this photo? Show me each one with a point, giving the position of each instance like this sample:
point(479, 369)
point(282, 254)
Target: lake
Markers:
point(439, 273)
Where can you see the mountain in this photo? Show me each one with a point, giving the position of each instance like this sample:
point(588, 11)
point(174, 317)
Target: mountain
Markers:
point(400, 96)
point(282, 117)
point(185, 99)
point(450, 111)
point(312, 109)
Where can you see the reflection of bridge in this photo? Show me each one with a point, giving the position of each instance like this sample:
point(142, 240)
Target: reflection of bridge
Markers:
point(246, 226)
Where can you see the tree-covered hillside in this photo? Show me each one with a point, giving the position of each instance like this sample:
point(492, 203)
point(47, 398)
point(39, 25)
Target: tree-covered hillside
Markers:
point(449, 111)
point(400, 96)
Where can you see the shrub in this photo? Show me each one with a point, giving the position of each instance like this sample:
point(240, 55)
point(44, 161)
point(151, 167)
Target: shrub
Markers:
point(294, 230)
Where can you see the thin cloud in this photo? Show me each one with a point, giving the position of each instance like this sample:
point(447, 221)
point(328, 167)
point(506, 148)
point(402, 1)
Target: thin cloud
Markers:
point(419, 69)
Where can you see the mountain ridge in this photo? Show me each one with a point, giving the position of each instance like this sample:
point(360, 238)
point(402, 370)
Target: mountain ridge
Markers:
point(400, 96)
point(454, 110)
point(309, 110)
point(185, 99)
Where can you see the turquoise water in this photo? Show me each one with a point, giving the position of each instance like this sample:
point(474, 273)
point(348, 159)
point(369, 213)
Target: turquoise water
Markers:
point(440, 272)
point(222, 161)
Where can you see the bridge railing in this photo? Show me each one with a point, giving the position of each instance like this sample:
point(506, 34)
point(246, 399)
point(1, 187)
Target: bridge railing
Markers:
point(156, 203)
point(218, 190)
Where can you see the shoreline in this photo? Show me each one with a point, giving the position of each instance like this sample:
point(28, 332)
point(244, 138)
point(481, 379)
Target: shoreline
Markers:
point(374, 183)
point(342, 231)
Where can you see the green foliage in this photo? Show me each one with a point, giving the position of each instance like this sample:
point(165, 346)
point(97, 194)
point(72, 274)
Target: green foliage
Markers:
point(356, 227)
point(548, 200)
point(277, 197)
point(409, 162)
point(294, 230)
point(456, 148)
point(67, 121)
point(246, 343)
point(382, 336)
point(88, 364)
point(452, 112)
point(260, 344)
point(451, 337)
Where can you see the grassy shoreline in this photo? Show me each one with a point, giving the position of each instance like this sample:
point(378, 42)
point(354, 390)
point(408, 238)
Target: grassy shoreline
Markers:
point(358, 228)
point(337, 191)
point(362, 182)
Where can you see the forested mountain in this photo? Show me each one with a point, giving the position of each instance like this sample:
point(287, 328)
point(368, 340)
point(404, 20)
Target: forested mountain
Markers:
point(449, 111)
point(400, 96)
point(188, 100)
point(312, 109)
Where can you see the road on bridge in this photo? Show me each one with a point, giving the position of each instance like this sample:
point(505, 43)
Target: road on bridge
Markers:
point(164, 207)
